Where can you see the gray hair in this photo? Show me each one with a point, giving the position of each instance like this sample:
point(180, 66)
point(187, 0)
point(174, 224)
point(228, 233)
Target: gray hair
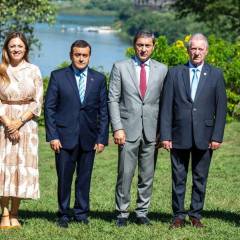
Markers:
point(198, 36)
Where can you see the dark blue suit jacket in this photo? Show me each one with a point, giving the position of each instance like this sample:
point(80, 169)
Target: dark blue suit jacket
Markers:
point(71, 121)
point(185, 122)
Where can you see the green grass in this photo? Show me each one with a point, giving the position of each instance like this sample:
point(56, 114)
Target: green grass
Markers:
point(221, 213)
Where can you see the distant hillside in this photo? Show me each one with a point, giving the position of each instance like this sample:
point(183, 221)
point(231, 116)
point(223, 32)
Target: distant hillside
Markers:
point(91, 7)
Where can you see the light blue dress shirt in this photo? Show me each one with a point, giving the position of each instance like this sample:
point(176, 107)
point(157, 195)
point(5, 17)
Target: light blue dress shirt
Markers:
point(194, 85)
point(81, 76)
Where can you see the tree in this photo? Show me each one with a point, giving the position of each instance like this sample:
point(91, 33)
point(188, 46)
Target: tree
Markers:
point(21, 15)
point(161, 23)
point(222, 16)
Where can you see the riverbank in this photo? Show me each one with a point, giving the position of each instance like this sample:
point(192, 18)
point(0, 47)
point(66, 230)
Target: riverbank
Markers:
point(80, 8)
point(79, 11)
point(59, 37)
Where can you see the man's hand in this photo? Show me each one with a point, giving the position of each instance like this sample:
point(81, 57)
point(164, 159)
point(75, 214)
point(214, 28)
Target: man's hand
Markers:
point(56, 145)
point(214, 145)
point(167, 145)
point(13, 126)
point(119, 137)
point(99, 147)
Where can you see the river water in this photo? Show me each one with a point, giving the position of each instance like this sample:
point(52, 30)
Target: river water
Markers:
point(56, 40)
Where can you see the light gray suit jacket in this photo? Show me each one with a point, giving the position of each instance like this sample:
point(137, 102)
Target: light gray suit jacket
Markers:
point(127, 110)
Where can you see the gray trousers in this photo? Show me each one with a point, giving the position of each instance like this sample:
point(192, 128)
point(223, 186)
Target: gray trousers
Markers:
point(144, 154)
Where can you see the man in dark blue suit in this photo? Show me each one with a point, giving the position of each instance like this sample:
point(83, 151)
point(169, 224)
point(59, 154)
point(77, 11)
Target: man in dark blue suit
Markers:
point(192, 121)
point(76, 118)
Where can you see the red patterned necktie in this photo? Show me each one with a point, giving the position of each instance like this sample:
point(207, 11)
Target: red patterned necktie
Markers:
point(143, 80)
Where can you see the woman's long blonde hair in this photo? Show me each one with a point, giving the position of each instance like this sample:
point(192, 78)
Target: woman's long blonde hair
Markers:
point(4, 78)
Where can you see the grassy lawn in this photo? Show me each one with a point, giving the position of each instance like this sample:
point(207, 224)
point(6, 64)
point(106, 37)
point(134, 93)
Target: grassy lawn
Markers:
point(221, 214)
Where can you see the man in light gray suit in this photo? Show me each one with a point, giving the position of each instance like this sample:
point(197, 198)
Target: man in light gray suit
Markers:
point(134, 94)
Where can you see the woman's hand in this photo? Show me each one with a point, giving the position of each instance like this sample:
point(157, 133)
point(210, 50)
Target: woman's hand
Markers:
point(14, 137)
point(13, 126)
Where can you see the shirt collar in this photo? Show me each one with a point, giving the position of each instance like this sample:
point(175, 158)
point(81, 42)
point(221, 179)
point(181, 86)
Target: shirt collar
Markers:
point(79, 71)
point(137, 62)
point(198, 67)
point(24, 64)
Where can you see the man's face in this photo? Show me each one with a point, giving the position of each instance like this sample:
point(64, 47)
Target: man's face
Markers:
point(197, 51)
point(144, 48)
point(80, 57)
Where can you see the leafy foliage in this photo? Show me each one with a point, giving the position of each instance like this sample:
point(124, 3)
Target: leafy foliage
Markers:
point(222, 54)
point(108, 5)
point(21, 15)
point(222, 16)
point(161, 23)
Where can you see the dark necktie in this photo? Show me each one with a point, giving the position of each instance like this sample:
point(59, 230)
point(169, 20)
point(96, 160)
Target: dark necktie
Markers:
point(143, 80)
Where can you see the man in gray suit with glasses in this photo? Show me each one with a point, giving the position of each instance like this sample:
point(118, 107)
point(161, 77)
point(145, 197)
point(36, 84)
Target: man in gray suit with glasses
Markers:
point(134, 95)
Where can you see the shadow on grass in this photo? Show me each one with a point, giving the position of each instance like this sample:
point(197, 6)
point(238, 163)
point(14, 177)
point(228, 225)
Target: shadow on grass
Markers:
point(160, 217)
point(107, 216)
point(47, 215)
point(226, 216)
point(110, 216)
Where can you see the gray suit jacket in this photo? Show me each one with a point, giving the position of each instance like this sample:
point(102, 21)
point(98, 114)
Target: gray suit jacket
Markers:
point(127, 110)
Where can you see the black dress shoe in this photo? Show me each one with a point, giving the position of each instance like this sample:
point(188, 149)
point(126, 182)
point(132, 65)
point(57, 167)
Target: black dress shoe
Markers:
point(62, 223)
point(177, 223)
point(121, 222)
point(82, 221)
point(143, 221)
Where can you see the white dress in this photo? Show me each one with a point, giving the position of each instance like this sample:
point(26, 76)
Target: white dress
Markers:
point(19, 175)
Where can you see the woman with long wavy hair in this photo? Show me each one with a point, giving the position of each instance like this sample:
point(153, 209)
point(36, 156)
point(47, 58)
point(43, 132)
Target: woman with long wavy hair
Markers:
point(21, 92)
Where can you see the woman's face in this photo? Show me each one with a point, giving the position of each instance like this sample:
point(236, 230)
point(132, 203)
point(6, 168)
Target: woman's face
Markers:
point(16, 50)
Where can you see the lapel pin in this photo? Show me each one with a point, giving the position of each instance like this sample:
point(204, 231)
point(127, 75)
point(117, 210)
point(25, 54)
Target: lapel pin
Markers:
point(91, 79)
point(205, 74)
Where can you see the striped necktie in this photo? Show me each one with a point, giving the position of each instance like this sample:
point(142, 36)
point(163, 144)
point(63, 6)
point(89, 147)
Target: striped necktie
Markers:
point(81, 86)
point(194, 83)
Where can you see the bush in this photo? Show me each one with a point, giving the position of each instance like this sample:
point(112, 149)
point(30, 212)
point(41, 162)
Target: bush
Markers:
point(222, 54)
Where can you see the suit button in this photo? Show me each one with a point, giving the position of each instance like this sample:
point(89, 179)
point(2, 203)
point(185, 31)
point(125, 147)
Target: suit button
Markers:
point(194, 109)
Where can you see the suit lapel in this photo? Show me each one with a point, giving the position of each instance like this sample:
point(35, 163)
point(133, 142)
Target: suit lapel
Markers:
point(186, 80)
point(202, 80)
point(132, 70)
point(72, 80)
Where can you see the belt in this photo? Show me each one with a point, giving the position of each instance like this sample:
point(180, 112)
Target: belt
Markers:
point(19, 102)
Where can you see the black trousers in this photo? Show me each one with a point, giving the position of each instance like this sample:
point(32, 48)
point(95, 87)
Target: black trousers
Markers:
point(67, 161)
point(200, 167)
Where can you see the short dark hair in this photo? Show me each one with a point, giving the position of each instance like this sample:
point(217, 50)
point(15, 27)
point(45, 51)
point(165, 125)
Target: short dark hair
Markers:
point(80, 44)
point(144, 33)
